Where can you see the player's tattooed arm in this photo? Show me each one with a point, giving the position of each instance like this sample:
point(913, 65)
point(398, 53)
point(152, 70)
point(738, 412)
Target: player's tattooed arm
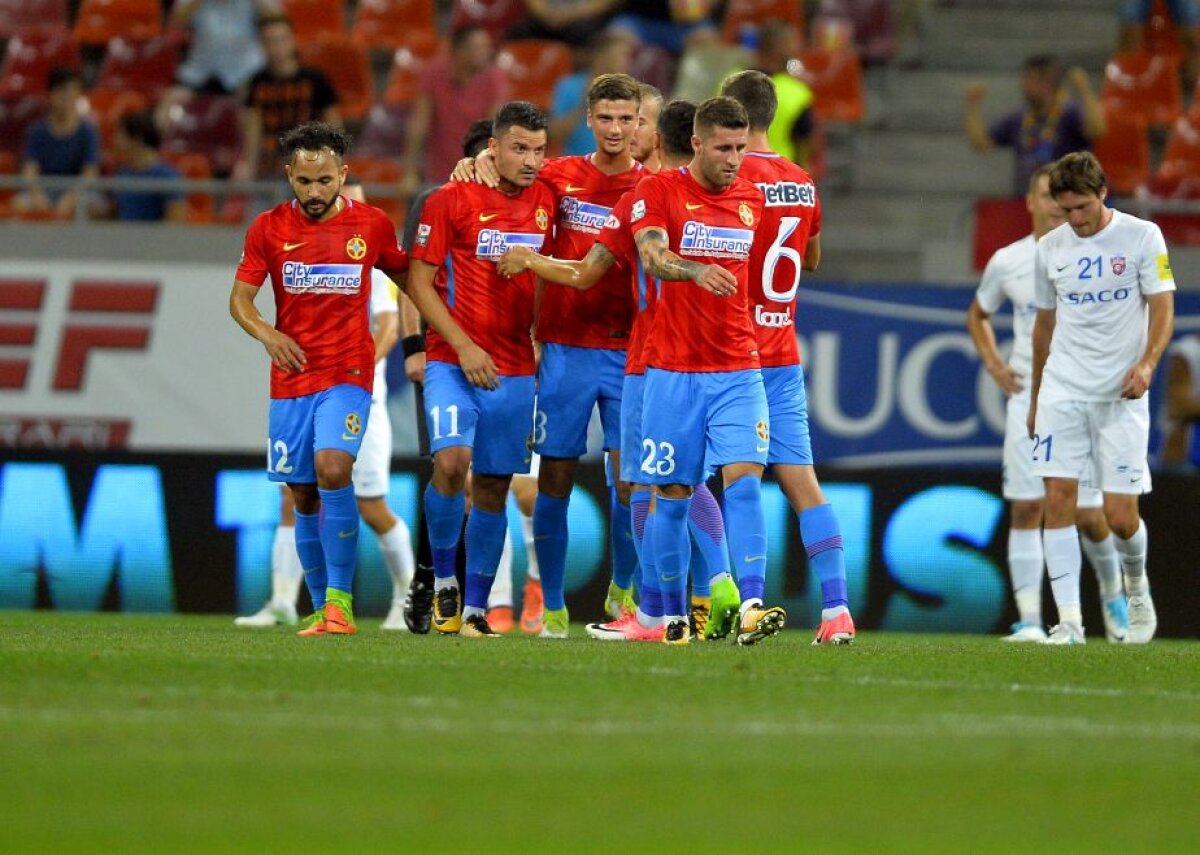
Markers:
point(581, 274)
point(282, 348)
point(659, 261)
point(472, 359)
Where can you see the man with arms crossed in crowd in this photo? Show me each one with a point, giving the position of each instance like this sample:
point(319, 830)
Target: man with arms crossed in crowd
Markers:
point(1009, 276)
point(1104, 291)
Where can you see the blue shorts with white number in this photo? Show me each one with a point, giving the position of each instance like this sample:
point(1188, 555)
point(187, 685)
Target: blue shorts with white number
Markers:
point(495, 424)
point(571, 381)
point(693, 419)
point(631, 428)
point(788, 403)
point(297, 428)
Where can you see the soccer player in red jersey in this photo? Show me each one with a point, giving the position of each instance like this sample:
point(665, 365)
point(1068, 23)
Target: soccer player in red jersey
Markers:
point(788, 241)
point(704, 396)
point(463, 229)
point(319, 250)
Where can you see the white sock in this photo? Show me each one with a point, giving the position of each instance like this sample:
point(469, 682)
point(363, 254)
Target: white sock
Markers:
point(396, 546)
point(531, 569)
point(1025, 564)
point(440, 584)
point(468, 611)
point(1133, 559)
point(648, 621)
point(752, 603)
point(1102, 555)
point(501, 593)
point(286, 572)
point(1063, 563)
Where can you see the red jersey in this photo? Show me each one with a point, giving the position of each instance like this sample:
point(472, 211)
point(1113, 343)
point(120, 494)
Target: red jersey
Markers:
point(321, 277)
point(601, 316)
point(464, 229)
point(792, 215)
point(694, 330)
point(617, 238)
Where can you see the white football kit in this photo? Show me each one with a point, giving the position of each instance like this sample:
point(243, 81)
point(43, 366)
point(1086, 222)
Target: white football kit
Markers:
point(1098, 286)
point(372, 467)
point(1009, 277)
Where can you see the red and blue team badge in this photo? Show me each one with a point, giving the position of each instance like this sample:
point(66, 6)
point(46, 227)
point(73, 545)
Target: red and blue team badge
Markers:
point(1118, 265)
point(541, 218)
point(746, 214)
point(353, 424)
point(356, 248)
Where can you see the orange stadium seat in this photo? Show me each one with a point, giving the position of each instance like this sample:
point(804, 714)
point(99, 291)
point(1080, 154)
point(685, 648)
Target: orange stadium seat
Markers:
point(755, 13)
point(533, 66)
point(19, 16)
point(18, 112)
point(29, 58)
point(386, 24)
point(348, 68)
point(836, 80)
point(1145, 85)
point(495, 16)
point(200, 207)
point(146, 66)
point(380, 170)
point(1179, 173)
point(1125, 152)
point(313, 20)
point(385, 132)
point(418, 48)
point(102, 20)
point(210, 125)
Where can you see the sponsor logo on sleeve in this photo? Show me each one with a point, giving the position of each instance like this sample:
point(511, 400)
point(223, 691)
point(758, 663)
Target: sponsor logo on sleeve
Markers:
point(639, 210)
point(423, 231)
point(1164, 268)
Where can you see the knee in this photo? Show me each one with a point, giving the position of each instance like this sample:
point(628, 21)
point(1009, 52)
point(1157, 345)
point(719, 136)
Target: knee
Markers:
point(1026, 514)
point(1123, 521)
point(556, 477)
point(450, 468)
point(334, 473)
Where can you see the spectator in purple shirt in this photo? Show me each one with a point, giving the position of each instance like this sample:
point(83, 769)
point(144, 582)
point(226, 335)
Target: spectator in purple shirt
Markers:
point(1050, 124)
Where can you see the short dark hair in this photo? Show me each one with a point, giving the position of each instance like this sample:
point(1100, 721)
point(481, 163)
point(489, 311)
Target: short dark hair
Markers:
point(315, 136)
point(720, 112)
point(520, 114)
point(613, 87)
point(756, 92)
point(1044, 64)
point(476, 139)
point(139, 125)
point(675, 125)
point(461, 34)
point(272, 18)
point(61, 75)
point(1077, 172)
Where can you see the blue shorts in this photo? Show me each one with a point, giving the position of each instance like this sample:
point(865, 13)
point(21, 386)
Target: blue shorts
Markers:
point(631, 428)
point(693, 419)
point(297, 428)
point(572, 381)
point(496, 425)
point(788, 404)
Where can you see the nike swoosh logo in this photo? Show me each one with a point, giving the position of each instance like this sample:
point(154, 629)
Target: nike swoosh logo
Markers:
point(349, 437)
point(1056, 578)
point(573, 189)
point(750, 559)
point(345, 534)
point(288, 247)
point(487, 218)
point(691, 207)
point(1061, 269)
point(760, 448)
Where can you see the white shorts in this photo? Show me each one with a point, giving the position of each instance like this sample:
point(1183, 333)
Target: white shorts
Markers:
point(1021, 482)
point(374, 462)
point(1075, 438)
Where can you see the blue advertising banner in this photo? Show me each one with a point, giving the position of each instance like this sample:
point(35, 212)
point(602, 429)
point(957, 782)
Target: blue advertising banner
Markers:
point(893, 379)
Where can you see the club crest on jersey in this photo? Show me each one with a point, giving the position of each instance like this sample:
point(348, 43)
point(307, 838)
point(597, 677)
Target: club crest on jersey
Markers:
point(356, 248)
point(1118, 265)
point(541, 218)
point(583, 216)
point(746, 215)
point(715, 242)
point(301, 278)
point(762, 431)
point(492, 243)
point(353, 424)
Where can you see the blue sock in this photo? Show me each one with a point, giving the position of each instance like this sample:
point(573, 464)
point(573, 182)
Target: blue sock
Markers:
point(485, 542)
point(707, 528)
point(550, 534)
point(639, 510)
point(672, 551)
point(444, 519)
point(650, 601)
point(339, 536)
point(822, 538)
point(624, 562)
point(747, 530)
point(312, 556)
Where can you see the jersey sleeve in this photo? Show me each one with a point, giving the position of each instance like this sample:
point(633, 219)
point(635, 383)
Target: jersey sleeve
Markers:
point(650, 206)
point(254, 266)
point(990, 293)
point(383, 294)
point(432, 240)
point(1044, 294)
point(617, 236)
point(391, 255)
point(1154, 272)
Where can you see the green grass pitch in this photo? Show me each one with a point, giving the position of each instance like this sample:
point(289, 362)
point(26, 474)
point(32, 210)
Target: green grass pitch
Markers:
point(176, 734)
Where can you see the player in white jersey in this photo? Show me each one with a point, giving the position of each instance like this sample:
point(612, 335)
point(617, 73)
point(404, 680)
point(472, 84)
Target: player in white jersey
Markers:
point(370, 476)
point(1181, 413)
point(1008, 277)
point(1105, 296)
